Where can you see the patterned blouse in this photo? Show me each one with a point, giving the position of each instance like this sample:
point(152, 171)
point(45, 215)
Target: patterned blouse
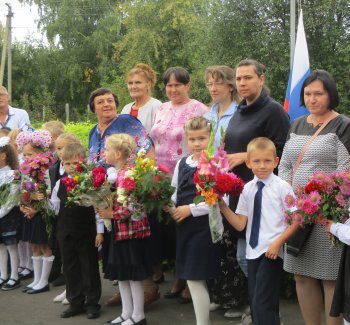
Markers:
point(168, 134)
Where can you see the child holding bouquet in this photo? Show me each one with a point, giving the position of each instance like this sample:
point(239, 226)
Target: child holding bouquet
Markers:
point(35, 147)
point(129, 260)
point(78, 236)
point(9, 216)
point(261, 209)
point(197, 257)
point(341, 298)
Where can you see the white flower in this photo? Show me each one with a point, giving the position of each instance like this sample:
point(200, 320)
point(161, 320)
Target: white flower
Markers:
point(129, 174)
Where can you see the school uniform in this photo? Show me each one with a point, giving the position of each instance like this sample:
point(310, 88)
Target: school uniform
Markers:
point(76, 233)
point(129, 253)
point(10, 216)
point(197, 257)
point(56, 172)
point(341, 298)
point(264, 274)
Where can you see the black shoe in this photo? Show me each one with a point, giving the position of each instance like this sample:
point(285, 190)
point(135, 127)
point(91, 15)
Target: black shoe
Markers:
point(25, 289)
point(92, 312)
point(34, 291)
point(109, 322)
point(7, 286)
point(26, 276)
point(72, 311)
point(2, 282)
point(60, 281)
point(141, 322)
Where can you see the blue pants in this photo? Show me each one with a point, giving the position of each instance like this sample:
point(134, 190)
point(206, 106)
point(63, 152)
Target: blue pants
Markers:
point(264, 278)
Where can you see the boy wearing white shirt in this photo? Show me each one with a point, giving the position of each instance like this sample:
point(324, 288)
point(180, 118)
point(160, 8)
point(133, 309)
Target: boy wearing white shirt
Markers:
point(261, 209)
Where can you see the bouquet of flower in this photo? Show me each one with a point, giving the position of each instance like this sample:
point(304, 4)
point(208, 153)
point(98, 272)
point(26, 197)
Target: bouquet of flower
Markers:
point(144, 187)
point(34, 180)
point(89, 186)
point(326, 196)
point(9, 183)
point(213, 180)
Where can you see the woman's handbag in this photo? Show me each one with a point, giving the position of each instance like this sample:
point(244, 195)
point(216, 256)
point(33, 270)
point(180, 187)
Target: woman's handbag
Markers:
point(297, 241)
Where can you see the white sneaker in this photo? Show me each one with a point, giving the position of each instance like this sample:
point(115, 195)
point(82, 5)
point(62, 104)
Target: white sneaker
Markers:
point(65, 301)
point(214, 306)
point(246, 320)
point(234, 313)
point(60, 297)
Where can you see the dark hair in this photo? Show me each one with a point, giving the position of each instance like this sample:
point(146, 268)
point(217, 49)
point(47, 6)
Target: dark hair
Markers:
point(258, 67)
point(11, 155)
point(328, 84)
point(181, 75)
point(100, 92)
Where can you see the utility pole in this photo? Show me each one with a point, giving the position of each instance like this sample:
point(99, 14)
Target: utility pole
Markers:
point(292, 31)
point(4, 48)
point(9, 54)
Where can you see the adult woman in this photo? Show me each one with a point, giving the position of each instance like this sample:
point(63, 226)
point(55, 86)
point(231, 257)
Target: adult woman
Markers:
point(141, 80)
point(103, 102)
point(257, 115)
point(168, 137)
point(318, 261)
point(229, 289)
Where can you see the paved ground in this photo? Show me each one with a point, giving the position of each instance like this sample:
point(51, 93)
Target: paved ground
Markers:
point(17, 308)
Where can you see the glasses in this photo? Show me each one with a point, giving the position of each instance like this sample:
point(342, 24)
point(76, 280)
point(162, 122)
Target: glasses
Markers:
point(214, 84)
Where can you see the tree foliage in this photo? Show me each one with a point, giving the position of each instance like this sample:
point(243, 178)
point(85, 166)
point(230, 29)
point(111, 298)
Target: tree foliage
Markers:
point(94, 43)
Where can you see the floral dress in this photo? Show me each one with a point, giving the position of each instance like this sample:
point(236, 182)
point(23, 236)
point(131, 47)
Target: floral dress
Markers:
point(168, 133)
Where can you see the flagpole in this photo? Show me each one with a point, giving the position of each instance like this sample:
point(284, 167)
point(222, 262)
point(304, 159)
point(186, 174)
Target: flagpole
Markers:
point(292, 31)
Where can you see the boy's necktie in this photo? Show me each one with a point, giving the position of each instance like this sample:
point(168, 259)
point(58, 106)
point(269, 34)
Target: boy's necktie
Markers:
point(254, 233)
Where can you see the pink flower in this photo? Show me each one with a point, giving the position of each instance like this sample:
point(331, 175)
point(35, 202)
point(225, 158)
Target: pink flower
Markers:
point(340, 199)
point(345, 189)
point(290, 201)
point(309, 207)
point(315, 197)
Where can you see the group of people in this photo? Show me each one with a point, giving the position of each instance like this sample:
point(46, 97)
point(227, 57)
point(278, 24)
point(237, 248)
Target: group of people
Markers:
point(240, 274)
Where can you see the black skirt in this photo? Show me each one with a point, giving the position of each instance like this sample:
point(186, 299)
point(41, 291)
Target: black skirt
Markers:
point(10, 227)
point(34, 230)
point(197, 257)
point(129, 260)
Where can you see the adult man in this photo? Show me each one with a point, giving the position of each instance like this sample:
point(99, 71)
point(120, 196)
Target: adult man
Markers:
point(13, 118)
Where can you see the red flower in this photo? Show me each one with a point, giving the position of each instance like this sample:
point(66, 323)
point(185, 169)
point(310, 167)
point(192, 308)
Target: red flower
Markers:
point(69, 183)
point(98, 180)
point(127, 183)
point(313, 186)
point(228, 183)
point(79, 168)
point(163, 169)
point(98, 170)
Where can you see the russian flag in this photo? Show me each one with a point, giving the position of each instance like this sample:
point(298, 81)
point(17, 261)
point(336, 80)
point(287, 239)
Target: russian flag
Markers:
point(300, 70)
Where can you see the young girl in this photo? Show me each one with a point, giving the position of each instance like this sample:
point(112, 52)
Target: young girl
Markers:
point(341, 298)
point(34, 228)
point(129, 260)
point(9, 218)
point(197, 258)
point(25, 268)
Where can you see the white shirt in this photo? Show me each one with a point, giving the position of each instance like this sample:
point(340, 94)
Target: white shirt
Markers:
point(146, 113)
point(55, 205)
point(17, 118)
point(272, 223)
point(342, 231)
point(200, 209)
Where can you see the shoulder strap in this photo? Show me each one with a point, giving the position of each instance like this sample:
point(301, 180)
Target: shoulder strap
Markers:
point(307, 144)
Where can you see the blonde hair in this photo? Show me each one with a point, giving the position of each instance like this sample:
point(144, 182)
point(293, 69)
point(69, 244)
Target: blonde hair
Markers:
point(122, 142)
point(73, 150)
point(146, 71)
point(224, 74)
point(70, 137)
point(56, 128)
point(197, 123)
point(261, 143)
point(4, 132)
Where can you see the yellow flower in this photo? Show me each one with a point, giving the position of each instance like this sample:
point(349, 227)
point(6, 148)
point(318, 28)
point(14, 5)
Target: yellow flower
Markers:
point(76, 178)
point(211, 198)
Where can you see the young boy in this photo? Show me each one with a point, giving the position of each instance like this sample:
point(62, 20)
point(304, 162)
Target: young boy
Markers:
point(78, 241)
point(260, 209)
